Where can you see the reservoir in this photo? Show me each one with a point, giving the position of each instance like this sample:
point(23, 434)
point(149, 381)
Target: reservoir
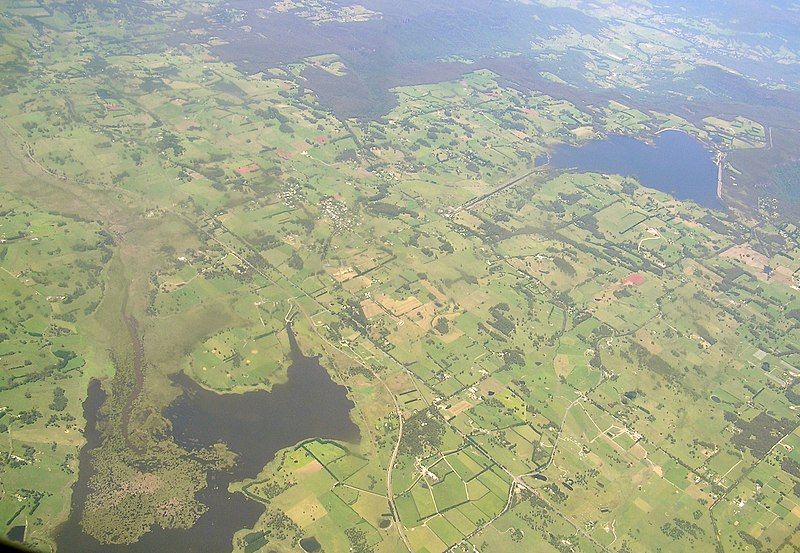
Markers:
point(675, 163)
point(255, 425)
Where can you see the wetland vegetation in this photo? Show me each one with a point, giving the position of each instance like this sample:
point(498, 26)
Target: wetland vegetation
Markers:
point(253, 426)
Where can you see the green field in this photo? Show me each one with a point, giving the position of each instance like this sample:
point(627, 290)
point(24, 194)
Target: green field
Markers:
point(573, 363)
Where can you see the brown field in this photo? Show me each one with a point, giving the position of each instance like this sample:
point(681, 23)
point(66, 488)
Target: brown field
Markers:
point(784, 275)
point(423, 315)
point(310, 468)
point(306, 511)
point(434, 291)
point(468, 220)
point(406, 334)
point(646, 340)
point(491, 385)
point(459, 407)
point(342, 274)
point(561, 365)
point(633, 279)
point(399, 307)
point(245, 169)
point(638, 451)
point(186, 124)
point(370, 308)
point(743, 253)
point(399, 382)
point(47, 436)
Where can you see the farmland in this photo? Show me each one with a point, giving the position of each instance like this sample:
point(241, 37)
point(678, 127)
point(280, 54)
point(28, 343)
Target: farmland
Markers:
point(538, 359)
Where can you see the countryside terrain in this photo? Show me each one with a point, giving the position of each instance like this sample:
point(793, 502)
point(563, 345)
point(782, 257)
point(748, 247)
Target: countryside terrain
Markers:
point(538, 359)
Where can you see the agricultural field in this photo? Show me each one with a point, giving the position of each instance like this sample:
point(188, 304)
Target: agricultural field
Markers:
point(531, 358)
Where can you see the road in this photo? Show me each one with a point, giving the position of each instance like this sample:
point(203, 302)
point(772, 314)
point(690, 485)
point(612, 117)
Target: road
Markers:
point(483, 197)
point(720, 166)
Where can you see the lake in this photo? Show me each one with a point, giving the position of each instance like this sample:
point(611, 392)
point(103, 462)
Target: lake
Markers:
point(255, 425)
point(675, 163)
point(16, 533)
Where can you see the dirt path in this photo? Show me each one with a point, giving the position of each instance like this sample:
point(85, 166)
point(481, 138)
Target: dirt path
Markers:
point(390, 470)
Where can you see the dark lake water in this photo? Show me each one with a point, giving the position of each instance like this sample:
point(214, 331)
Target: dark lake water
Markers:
point(675, 163)
point(17, 533)
point(255, 425)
